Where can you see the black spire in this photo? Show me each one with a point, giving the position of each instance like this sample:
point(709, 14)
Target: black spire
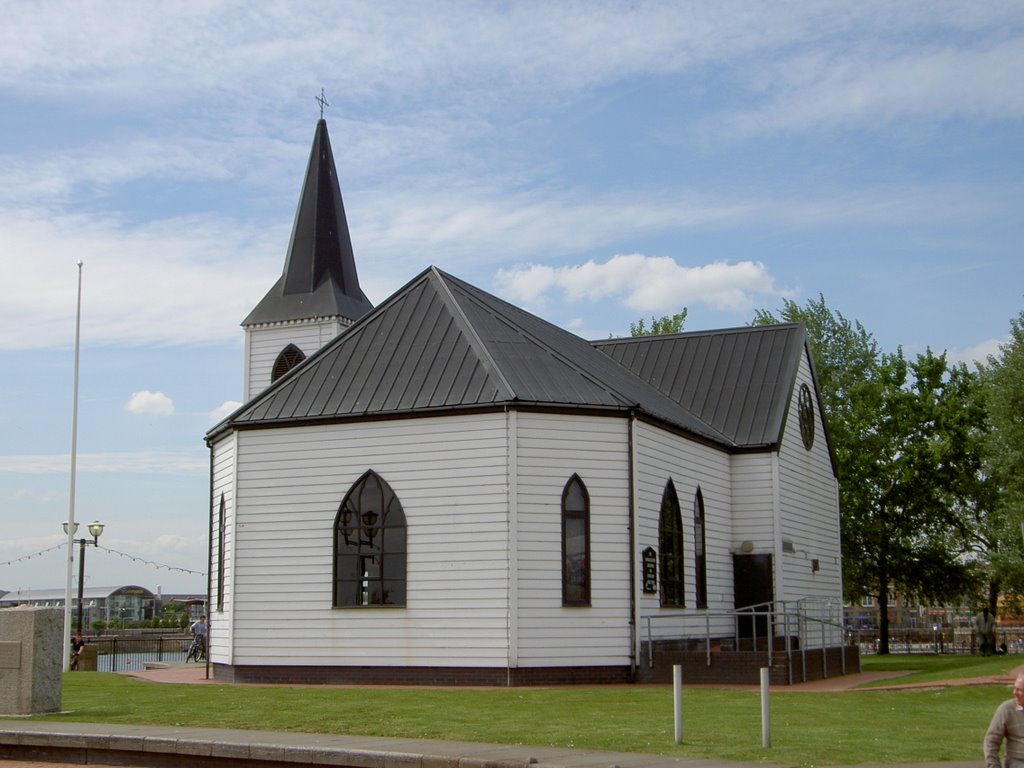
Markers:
point(319, 278)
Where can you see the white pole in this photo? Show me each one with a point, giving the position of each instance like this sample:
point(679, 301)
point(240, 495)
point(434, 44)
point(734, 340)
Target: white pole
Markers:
point(71, 494)
point(766, 715)
point(677, 700)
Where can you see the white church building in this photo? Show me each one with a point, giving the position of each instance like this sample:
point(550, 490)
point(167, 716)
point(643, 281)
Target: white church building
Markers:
point(447, 489)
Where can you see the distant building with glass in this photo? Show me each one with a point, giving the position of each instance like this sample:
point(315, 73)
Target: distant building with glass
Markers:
point(111, 605)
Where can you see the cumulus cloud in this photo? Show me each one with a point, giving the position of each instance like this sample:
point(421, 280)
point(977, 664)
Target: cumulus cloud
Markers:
point(978, 353)
point(223, 410)
point(644, 283)
point(156, 403)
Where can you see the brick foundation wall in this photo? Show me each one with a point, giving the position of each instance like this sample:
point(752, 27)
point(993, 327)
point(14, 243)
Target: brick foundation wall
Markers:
point(744, 667)
point(440, 676)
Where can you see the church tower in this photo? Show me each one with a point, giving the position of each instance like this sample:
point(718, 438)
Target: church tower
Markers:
point(318, 294)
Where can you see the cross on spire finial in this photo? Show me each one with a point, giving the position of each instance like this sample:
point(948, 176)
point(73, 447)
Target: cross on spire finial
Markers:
point(322, 101)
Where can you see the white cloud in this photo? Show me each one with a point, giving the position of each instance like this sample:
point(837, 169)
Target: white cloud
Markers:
point(873, 86)
point(45, 497)
point(488, 56)
point(149, 462)
point(222, 411)
point(31, 544)
point(978, 353)
point(168, 276)
point(163, 545)
point(144, 401)
point(644, 283)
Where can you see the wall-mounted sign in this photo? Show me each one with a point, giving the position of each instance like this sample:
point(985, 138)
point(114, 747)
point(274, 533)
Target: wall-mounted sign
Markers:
point(649, 558)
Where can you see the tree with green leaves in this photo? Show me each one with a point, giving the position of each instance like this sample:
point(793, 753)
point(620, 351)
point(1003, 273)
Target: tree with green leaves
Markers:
point(897, 430)
point(659, 326)
point(903, 472)
point(1003, 384)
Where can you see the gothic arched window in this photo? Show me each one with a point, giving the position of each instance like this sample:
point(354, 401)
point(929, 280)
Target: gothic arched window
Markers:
point(220, 554)
point(290, 357)
point(670, 549)
point(369, 546)
point(700, 549)
point(575, 543)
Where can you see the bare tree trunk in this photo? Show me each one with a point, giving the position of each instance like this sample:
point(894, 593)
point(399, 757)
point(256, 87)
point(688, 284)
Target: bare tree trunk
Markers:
point(883, 618)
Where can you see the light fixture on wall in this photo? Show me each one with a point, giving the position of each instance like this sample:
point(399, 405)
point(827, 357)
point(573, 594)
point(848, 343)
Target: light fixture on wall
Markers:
point(746, 547)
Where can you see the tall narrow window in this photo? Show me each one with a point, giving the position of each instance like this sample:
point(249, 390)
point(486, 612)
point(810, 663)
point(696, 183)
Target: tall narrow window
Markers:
point(369, 546)
point(575, 543)
point(670, 549)
point(220, 555)
point(700, 549)
point(290, 357)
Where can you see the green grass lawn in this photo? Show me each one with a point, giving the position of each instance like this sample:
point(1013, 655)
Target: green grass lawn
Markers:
point(857, 726)
point(926, 668)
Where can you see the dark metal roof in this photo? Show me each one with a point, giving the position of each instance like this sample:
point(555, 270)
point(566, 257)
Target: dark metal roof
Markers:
point(739, 381)
point(441, 344)
point(319, 278)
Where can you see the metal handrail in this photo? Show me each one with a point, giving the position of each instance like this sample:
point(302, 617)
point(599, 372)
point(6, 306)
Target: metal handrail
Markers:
point(788, 619)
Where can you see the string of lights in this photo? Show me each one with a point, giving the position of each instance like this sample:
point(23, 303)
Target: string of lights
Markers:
point(137, 559)
point(133, 558)
point(34, 554)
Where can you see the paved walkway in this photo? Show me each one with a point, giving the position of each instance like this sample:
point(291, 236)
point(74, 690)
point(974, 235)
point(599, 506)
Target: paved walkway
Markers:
point(93, 742)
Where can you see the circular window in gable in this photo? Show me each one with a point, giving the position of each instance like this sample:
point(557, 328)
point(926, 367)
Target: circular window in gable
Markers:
point(805, 409)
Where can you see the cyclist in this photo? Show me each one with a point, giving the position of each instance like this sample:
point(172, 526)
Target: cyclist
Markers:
point(198, 630)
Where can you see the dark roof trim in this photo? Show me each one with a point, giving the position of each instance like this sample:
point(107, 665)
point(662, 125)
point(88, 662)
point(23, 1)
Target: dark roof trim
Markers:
point(623, 412)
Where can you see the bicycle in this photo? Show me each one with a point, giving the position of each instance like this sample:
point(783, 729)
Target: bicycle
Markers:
point(197, 650)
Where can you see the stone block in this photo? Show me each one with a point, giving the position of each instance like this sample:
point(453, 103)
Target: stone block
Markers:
point(31, 660)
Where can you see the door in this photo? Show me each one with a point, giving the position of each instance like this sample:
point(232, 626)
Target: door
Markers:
point(753, 584)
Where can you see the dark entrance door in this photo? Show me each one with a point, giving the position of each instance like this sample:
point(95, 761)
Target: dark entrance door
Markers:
point(752, 577)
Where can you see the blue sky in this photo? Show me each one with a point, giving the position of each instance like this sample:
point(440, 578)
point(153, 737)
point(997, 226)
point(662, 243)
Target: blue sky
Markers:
point(594, 162)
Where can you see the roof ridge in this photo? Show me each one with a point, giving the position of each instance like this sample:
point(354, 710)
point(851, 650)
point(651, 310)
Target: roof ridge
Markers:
point(582, 371)
point(559, 355)
point(691, 334)
point(467, 328)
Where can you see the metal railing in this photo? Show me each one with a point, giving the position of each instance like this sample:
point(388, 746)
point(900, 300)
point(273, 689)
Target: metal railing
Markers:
point(801, 626)
point(127, 653)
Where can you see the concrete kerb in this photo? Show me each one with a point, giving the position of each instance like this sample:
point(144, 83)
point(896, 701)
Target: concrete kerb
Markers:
point(101, 744)
point(141, 746)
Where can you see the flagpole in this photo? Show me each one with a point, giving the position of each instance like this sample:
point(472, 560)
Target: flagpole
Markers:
point(71, 495)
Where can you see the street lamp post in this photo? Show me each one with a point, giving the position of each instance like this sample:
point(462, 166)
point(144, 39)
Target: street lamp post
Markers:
point(95, 528)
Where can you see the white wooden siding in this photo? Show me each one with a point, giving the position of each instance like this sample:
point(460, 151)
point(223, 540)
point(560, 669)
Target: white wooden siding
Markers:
point(662, 455)
point(264, 343)
point(754, 501)
point(809, 514)
point(222, 484)
point(449, 475)
point(550, 449)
